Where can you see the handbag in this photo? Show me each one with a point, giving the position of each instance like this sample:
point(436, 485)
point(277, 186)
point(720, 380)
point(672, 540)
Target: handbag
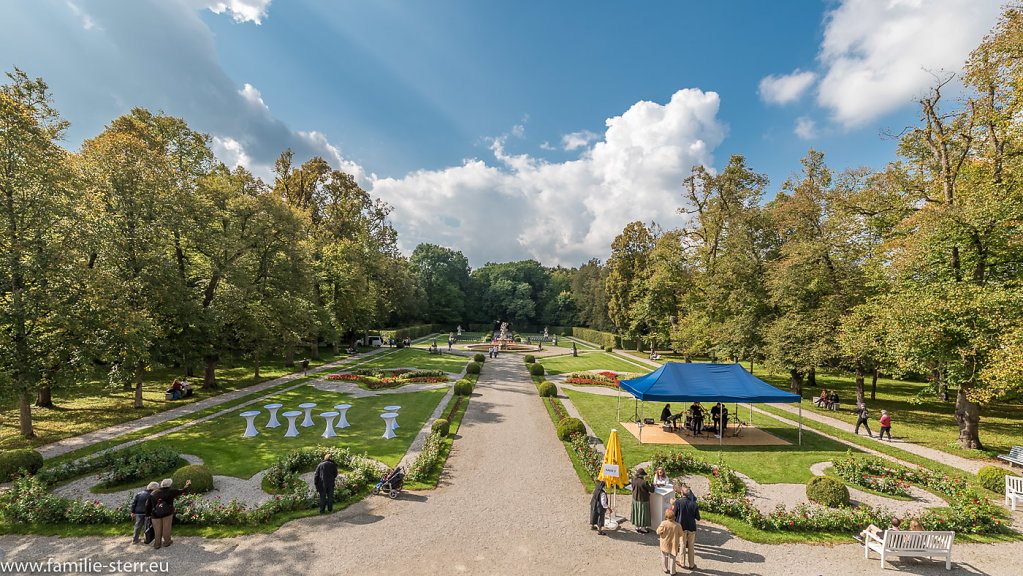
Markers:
point(150, 531)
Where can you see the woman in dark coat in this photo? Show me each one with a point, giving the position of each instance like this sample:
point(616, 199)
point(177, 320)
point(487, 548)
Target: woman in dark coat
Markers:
point(641, 490)
point(598, 507)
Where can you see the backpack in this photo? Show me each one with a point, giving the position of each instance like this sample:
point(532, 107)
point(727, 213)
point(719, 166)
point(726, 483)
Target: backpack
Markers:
point(162, 508)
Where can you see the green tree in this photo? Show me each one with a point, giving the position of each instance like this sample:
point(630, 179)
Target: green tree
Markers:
point(34, 187)
point(589, 293)
point(628, 275)
point(442, 278)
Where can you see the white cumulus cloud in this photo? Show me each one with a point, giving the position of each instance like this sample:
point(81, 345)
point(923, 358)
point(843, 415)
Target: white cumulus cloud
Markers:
point(786, 88)
point(878, 56)
point(577, 140)
point(252, 95)
point(805, 128)
point(241, 10)
point(560, 213)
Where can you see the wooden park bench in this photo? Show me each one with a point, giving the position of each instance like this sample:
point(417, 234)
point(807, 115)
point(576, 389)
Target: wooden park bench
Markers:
point(917, 543)
point(1013, 490)
point(1015, 455)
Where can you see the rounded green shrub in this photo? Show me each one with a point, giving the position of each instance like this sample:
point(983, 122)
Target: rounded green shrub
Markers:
point(993, 478)
point(827, 491)
point(11, 461)
point(479, 357)
point(569, 426)
point(440, 426)
point(529, 358)
point(536, 369)
point(608, 349)
point(547, 389)
point(201, 477)
point(463, 387)
point(473, 368)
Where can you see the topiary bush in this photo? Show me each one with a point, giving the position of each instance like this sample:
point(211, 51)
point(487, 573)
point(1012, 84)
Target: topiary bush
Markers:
point(440, 426)
point(536, 369)
point(529, 358)
point(11, 461)
point(479, 358)
point(473, 368)
point(993, 478)
point(547, 389)
point(201, 477)
point(827, 491)
point(608, 349)
point(570, 426)
point(463, 387)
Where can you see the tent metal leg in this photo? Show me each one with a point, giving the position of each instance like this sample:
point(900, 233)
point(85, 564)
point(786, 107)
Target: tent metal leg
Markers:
point(619, 405)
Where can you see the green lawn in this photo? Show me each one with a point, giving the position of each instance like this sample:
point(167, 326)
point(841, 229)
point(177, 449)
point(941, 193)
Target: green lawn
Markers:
point(590, 361)
point(418, 359)
point(220, 444)
point(94, 405)
point(765, 464)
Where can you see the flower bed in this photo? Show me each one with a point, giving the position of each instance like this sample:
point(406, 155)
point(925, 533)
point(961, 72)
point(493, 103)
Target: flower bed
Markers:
point(379, 379)
point(427, 459)
point(609, 379)
point(116, 466)
point(590, 459)
point(559, 409)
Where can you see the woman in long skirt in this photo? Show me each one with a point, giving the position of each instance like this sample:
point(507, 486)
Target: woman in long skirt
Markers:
point(598, 507)
point(641, 490)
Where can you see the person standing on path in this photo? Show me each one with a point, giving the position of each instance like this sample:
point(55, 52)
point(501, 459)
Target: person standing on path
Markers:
point(641, 502)
point(138, 510)
point(886, 425)
point(160, 509)
point(863, 419)
point(305, 366)
point(671, 538)
point(324, 479)
point(689, 513)
point(599, 507)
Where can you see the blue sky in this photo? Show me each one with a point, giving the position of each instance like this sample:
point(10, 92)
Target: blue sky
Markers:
point(507, 130)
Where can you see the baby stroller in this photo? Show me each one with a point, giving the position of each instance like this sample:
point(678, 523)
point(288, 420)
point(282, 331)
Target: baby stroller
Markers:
point(391, 484)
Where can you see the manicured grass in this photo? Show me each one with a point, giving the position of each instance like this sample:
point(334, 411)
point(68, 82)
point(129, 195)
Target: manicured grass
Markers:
point(220, 444)
point(418, 359)
point(590, 361)
point(765, 464)
point(94, 405)
point(431, 481)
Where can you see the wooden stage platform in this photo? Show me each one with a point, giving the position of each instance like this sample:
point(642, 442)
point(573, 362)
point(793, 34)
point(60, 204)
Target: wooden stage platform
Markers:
point(748, 436)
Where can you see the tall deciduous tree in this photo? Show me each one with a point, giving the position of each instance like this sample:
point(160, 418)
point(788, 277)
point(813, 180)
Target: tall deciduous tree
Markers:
point(34, 197)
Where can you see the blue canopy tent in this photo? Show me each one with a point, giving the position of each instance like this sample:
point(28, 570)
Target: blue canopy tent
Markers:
point(704, 382)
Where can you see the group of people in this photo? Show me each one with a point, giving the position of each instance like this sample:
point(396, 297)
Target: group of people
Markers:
point(828, 400)
point(914, 526)
point(180, 389)
point(677, 531)
point(696, 416)
point(153, 513)
point(863, 419)
point(494, 348)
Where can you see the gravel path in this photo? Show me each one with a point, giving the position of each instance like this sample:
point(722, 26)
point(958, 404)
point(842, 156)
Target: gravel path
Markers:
point(508, 502)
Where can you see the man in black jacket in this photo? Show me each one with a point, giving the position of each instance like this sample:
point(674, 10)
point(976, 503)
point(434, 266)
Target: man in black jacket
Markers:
point(324, 480)
point(862, 419)
point(688, 513)
point(138, 511)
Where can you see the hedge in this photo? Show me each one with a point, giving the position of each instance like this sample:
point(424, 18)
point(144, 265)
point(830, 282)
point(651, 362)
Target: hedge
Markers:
point(12, 461)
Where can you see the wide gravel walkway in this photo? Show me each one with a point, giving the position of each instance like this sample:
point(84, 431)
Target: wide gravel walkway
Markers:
point(509, 502)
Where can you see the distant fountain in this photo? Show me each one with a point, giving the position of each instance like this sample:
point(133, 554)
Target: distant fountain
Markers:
point(504, 341)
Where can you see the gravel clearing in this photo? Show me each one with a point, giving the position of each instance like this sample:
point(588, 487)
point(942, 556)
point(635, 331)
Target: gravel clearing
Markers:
point(508, 502)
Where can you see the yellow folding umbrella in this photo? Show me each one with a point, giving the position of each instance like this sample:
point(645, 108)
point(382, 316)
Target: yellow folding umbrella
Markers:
point(612, 471)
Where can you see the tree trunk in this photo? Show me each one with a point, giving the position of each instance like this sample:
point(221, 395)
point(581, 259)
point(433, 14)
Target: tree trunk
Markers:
point(941, 387)
point(25, 414)
point(795, 382)
point(750, 366)
point(140, 371)
point(873, 386)
point(189, 371)
point(256, 358)
point(44, 397)
point(289, 357)
point(967, 415)
point(209, 379)
point(337, 348)
point(688, 357)
point(859, 383)
point(315, 350)
point(811, 378)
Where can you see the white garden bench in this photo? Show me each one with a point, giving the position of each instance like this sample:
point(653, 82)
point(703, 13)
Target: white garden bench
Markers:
point(1015, 455)
point(1013, 490)
point(909, 543)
